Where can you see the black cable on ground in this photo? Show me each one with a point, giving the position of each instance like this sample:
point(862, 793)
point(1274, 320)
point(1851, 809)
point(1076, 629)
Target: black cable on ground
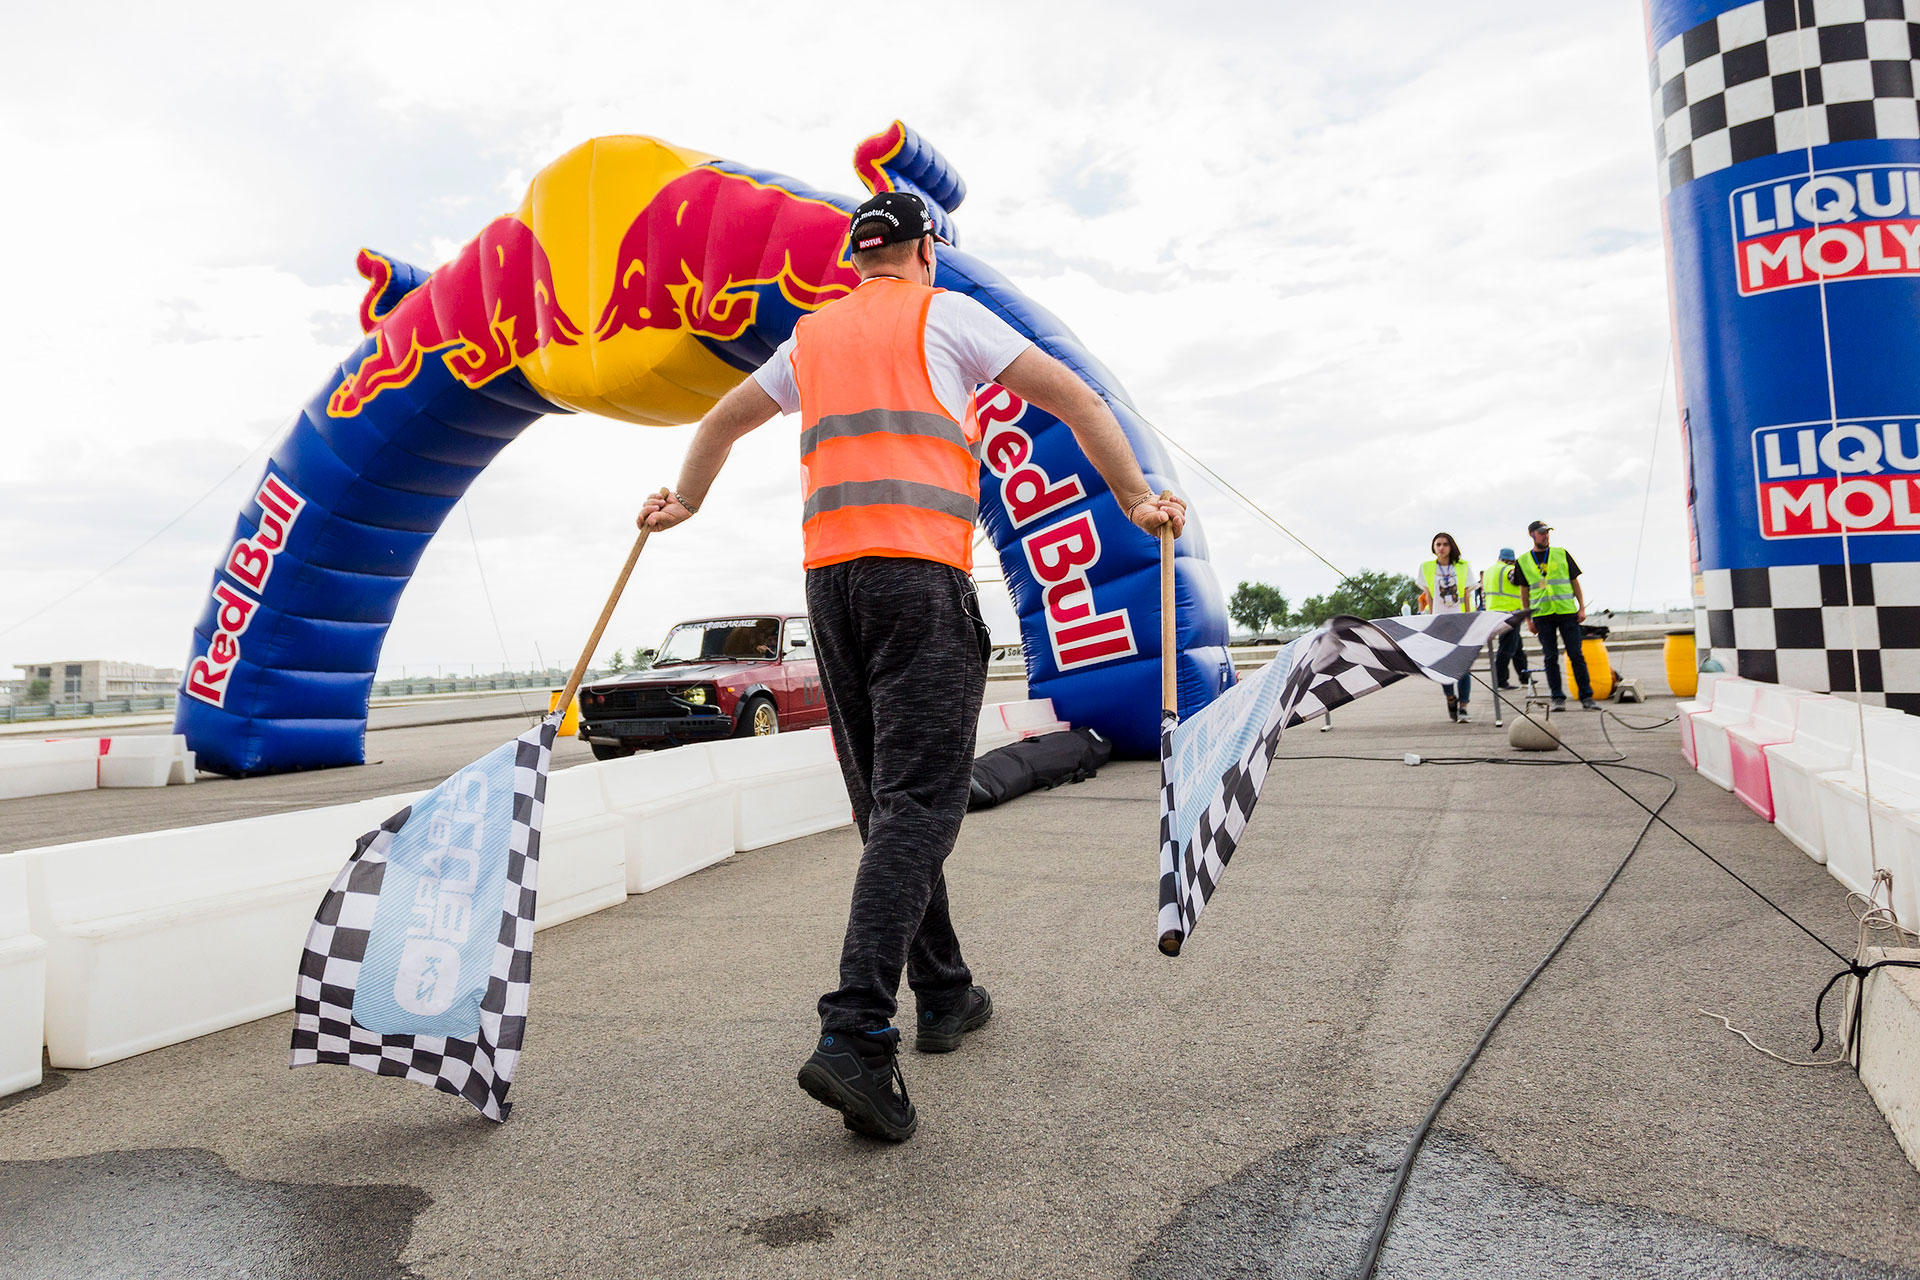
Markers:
point(1384, 1222)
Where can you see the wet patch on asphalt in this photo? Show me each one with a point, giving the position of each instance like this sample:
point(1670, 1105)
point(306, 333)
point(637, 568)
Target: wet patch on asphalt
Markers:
point(183, 1212)
point(784, 1230)
point(1306, 1213)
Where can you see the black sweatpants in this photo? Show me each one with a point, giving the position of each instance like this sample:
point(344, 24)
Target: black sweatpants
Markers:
point(1554, 630)
point(902, 657)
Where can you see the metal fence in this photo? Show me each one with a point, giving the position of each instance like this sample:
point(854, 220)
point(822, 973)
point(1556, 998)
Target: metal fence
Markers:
point(411, 688)
point(82, 710)
point(419, 686)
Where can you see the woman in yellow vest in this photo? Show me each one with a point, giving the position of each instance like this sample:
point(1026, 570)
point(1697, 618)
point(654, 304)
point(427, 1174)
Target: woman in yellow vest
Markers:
point(1446, 582)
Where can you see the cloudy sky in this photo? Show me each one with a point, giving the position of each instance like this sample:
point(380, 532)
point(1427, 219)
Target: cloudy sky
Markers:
point(1391, 267)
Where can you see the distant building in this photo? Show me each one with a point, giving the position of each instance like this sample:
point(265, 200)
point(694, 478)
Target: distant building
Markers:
point(94, 680)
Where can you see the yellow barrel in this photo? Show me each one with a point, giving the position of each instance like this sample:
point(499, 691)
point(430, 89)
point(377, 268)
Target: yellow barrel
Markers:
point(1683, 664)
point(1599, 668)
point(571, 721)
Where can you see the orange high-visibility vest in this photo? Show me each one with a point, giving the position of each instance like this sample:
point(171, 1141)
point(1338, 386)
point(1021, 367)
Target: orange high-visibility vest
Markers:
point(885, 468)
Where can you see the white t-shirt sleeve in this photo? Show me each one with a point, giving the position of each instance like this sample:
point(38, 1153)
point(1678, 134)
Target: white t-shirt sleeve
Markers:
point(977, 343)
point(776, 378)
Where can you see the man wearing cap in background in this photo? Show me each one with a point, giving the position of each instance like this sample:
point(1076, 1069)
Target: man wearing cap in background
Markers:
point(1498, 594)
point(1549, 582)
point(890, 476)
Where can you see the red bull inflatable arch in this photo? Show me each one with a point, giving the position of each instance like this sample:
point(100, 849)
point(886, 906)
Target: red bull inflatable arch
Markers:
point(641, 281)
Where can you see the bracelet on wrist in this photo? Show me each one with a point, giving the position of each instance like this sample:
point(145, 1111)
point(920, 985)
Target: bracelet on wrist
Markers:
point(691, 509)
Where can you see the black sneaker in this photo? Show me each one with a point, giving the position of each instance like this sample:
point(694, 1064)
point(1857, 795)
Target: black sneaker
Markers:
point(1453, 706)
point(1588, 704)
point(856, 1073)
point(1560, 703)
point(941, 1032)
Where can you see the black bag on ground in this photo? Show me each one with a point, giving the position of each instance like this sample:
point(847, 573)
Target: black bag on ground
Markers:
point(1072, 755)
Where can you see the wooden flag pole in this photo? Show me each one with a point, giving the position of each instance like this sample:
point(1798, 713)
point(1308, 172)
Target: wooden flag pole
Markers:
point(600, 627)
point(1169, 676)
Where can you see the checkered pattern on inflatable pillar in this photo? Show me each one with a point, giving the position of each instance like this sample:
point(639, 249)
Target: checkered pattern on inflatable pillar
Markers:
point(1788, 139)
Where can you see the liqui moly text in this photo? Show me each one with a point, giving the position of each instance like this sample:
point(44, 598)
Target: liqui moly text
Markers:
point(1860, 475)
point(1842, 224)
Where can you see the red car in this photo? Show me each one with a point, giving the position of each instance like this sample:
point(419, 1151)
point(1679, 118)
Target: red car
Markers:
point(733, 677)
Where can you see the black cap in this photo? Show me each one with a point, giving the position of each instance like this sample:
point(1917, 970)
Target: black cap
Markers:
point(896, 217)
point(1537, 526)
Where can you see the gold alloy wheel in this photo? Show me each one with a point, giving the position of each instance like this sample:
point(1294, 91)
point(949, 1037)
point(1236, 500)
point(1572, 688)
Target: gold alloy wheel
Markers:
point(765, 722)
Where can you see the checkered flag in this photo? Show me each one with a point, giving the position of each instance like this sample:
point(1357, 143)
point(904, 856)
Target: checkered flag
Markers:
point(420, 960)
point(1212, 766)
point(1775, 75)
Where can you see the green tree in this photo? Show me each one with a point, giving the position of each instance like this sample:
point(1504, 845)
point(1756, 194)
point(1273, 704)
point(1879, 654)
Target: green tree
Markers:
point(618, 662)
point(1370, 593)
point(37, 691)
point(1255, 605)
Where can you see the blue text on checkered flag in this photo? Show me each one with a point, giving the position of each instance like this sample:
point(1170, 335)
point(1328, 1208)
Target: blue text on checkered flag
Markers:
point(420, 960)
point(1212, 765)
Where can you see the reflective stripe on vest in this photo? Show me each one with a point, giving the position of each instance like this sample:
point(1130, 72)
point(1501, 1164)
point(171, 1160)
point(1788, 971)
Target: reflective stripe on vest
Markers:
point(1551, 589)
point(1462, 579)
point(1501, 595)
point(885, 469)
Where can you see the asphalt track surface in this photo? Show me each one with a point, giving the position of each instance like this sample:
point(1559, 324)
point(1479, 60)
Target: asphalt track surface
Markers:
point(1233, 1112)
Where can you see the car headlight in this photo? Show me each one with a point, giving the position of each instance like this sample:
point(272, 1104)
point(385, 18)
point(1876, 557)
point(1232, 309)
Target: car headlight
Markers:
point(696, 695)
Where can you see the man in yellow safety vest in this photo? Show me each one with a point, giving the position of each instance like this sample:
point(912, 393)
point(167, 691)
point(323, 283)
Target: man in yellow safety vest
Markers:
point(1499, 595)
point(1549, 582)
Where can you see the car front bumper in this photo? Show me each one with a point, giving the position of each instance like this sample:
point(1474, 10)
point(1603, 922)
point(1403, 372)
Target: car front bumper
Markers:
point(633, 731)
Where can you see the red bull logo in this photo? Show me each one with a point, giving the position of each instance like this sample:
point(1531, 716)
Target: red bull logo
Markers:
point(1060, 554)
point(488, 309)
point(249, 563)
point(674, 272)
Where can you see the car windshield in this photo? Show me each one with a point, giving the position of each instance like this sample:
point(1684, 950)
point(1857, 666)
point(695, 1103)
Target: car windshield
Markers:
point(724, 639)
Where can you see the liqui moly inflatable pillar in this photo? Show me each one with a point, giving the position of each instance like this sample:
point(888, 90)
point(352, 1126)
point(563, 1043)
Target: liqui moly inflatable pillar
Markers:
point(1788, 140)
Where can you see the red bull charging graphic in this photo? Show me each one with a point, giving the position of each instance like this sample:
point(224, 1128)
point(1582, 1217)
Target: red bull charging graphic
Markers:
point(483, 313)
point(670, 275)
point(641, 281)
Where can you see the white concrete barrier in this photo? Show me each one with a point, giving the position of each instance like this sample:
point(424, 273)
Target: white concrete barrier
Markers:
point(48, 768)
point(1700, 704)
point(583, 850)
point(151, 939)
point(784, 787)
point(992, 732)
point(678, 817)
point(157, 938)
point(23, 982)
point(1733, 703)
point(1826, 739)
point(1888, 1054)
point(1858, 835)
point(1033, 718)
point(146, 760)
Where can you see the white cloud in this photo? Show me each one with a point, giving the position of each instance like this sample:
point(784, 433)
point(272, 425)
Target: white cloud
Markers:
point(1391, 269)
